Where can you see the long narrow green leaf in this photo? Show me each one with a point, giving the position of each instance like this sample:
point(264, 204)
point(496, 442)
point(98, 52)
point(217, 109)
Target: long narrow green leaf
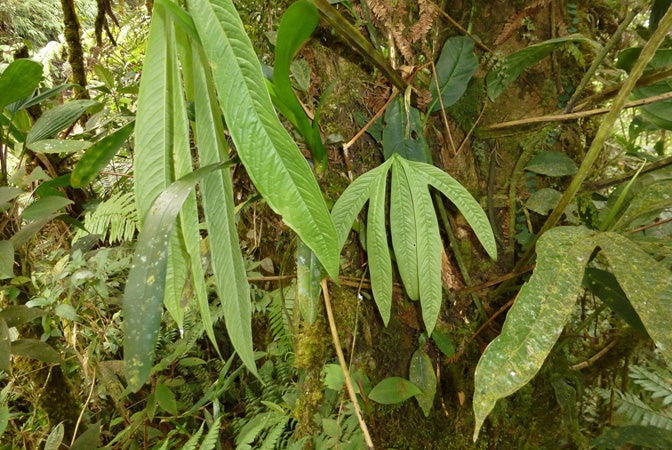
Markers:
point(176, 276)
point(57, 118)
point(271, 158)
point(352, 200)
point(514, 64)
point(428, 247)
point(154, 124)
point(143, 296)
point(297, 24)
point(535, 320)
point(217, 193)
point(97, 157)
point(653, 198)
point(403, 231)
point(467, 205)
point(380, 264)
point(647, 284)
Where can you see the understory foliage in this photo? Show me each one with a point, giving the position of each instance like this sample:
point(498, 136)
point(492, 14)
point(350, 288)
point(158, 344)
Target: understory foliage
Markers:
point(239, 237)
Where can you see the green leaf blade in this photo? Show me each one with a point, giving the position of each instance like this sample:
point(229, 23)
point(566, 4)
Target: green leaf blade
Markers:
point(455, 67)
point(380, 263)
point(98, 156)
point(403, 230)
point(19, 80)
point(271, 158)
point(421, 373)
point(393, 390)
point(536, 319)
point(56, 119)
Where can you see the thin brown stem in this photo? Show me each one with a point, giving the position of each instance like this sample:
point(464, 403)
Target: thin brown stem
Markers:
point(344, 366)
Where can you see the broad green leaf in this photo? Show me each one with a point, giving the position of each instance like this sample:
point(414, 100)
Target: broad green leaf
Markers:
point(44, 207)
point(402, 133)
point(421, 374)
point(4, 419)
point(352, 200)
point(605, 286)
point(7, 194)
point(59, 146)
point(641, 436)
point(552, 163)
point(105, 75)
point(380, 264)
point(647, 284)
point(513, 65)
point(166, 399)
point(29, 230)
point(217, 193)
point(655, 197)
point(535, 320)
point(18, 315)
point(403, 231)
point(443, 342)
point(543, 201)
point(19, 80)
point(56, 119)
point(88, 439)
point(155, 122)
point(297, 24)
point(461, 198)
point(428, 247)
point(143, 296)
point(66, 311)
point(6, 260)
point(455, 67)
point(272, 159)
point(55, 438)
point(5, 347)
point(36, 349)
point(308, 276)
point(393, 390)
point(97, 157)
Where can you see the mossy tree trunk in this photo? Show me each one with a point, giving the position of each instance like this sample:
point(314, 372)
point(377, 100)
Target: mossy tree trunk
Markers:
point(75, 52)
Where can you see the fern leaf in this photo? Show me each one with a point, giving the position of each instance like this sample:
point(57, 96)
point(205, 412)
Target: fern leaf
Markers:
point(191, 443)
point(211, 438)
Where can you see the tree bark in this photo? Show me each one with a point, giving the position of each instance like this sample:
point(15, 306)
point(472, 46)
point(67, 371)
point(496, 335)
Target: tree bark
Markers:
point(75, 52)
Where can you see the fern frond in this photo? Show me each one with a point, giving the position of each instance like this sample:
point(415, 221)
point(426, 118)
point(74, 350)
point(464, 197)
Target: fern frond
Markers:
point(211, 438)
point(652, 383)
point(117, 215)
point(193, 441)
point(634, 409)
point(274, 434)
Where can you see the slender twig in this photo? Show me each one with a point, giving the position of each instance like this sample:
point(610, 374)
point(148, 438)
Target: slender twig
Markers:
point(344, 367)
point(81, 413)
point(443, 111)
point(460, 27)
point(647, 79)
point(599, 58)
point(651, 225)
point(597, 186)
point(508, 276)
point(125, 175)
point(471, 130)
point(590, 361)
point(380, 112)
point(576, 115)
point(493, 317)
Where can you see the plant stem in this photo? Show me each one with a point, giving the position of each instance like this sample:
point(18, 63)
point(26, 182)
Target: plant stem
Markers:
point(458, 255)
point(344, 366)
